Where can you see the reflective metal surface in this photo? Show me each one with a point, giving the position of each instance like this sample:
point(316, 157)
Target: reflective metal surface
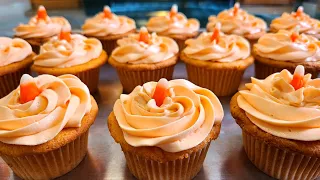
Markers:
point(226, 158)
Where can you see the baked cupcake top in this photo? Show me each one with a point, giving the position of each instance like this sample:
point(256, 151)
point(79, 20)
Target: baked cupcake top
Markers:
point(68, 50)
point(42, 107)
point(288, 46)
point(237, 21)
point(173, 23)
point(107, 23)
point(217, 47)
point(41, 26)
point(144, 48)
point(13, 50)
point(288, 21)
point(174, 116)
point(284, 105)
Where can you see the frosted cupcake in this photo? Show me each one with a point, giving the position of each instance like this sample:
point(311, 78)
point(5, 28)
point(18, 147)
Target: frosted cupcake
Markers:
point(285, 50)
point(41, 28)
point(279, 117)
point(72, 54)
point(15, 60)
point(44, 126)
point(174, 25)
point(286, 21)
point(217, 61)
point(165, 128)
point(108, 28)
point(144, 57)
point(239, 22)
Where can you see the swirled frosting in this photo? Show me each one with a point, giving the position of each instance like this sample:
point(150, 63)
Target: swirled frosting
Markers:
point(100, 26)
point(241, 24)
point(183, 121)
point(228, 49)
point(279, 46)
point(276, 107)
point(13, 50)
point(133, 51)
point(42, 28)
point(61, 53)
point(290, 21)
point(62, 103)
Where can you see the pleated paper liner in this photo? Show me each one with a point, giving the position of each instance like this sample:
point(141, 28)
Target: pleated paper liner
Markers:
point(51, 164)
point(131, 78)
point(186, 168)
point(278, 163)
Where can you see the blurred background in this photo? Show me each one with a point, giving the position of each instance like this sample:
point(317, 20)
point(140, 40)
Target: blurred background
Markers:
point(13, 12)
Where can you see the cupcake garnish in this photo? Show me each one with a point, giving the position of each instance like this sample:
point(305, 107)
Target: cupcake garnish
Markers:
point(173, 11)
point(107, 12)
point(161, 91)
point(299, 12)
point(298, 78)
point(236, 8)
point(144, 35)
point(42, 13)
point(65, 34)
point(295, 34)
point(216, 33)
point(28, 89)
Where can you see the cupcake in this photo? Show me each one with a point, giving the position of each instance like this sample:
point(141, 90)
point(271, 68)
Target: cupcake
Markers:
point(217, 61)
point(44, 126)
point(108, 28)
point(144, 57)
point(72, 54)
point(239, 22)
point(279, 117)
point(285, 50)
point(15, 60)
point(165, 128)
point(174, 25)
point(308, 25)
point(41, 28)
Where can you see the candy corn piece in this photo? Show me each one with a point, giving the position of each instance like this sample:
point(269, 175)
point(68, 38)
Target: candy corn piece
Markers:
point(295, 34)
point(107, 12)
point(144, 35)
point(173, 11)
point(28, 89)
point(65, 34)
point(299, 11)
point(42, 13)
point(161, 91)
point(297, 80)
point(236, 8)
point(216, 33)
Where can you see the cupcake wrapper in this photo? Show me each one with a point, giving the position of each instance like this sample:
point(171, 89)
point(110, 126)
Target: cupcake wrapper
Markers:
point(263, 70)
point(222, 82)
point(35, 48)
point(181, 43)
point(51, 164)
point(130, 79)
point(109, 45)
point(11, 81)
point(278, 163)
point(186, 168)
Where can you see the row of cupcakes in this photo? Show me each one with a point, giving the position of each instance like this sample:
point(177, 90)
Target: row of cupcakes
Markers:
point(164, 128)
point(109, 27)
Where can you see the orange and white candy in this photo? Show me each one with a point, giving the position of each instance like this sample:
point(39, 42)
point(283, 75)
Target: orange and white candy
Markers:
point(173, 11)
point(42, 13)
point(216, 33)
point(65, 34)
point(299, 11)
point(107, 12)
point(295, 34)
point(144, 35)
point(161, 91)
point(236, 8)
point(298, 75)
point(28, 89)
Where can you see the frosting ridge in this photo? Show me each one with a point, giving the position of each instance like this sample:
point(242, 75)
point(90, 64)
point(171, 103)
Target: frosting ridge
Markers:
point(13, 50)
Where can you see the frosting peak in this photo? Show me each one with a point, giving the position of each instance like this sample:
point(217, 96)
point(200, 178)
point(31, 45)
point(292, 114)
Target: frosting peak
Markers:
point(190, 109)
point(62, 103)
point(13, 50)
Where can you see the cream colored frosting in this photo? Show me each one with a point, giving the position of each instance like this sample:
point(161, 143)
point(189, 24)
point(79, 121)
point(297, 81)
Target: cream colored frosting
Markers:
point(183, 121)
point(39, 28)
point(277, 108)
point(242, 23)
point(179, 24)
point(133, 51)
point(63, 103)
point(101, 26)
point(290, 21)
point(279, 46)
point(13, 50)
point(228, 49)
point(61, 53)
